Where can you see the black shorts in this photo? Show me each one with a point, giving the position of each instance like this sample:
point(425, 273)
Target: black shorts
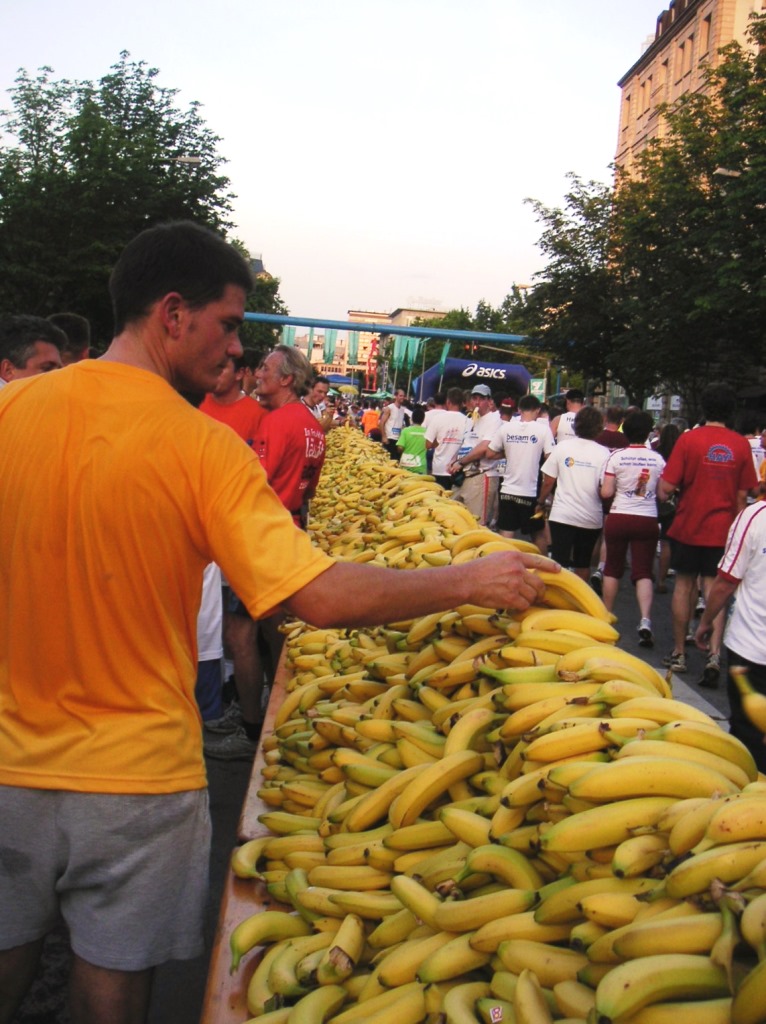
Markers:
point(572, 546)
point(516, 514)
point(690, 560)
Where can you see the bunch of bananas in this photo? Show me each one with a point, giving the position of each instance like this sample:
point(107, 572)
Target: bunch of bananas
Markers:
point(476, 816)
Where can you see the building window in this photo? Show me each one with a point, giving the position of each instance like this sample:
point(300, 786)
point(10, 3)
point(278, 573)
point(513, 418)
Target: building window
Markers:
point(626, 113)
point(705, 34)
point(688, 51)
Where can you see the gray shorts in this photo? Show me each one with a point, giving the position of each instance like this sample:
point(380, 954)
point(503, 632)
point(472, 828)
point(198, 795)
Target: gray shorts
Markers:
point(129, 874)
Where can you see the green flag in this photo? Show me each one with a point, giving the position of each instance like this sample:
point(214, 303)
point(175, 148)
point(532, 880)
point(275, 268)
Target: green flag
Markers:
point(444, 356)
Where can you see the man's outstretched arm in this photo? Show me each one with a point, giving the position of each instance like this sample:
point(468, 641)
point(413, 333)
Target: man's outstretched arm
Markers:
point(349, 594)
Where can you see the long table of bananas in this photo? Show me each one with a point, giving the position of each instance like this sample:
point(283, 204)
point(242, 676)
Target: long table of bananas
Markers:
point(482, 816)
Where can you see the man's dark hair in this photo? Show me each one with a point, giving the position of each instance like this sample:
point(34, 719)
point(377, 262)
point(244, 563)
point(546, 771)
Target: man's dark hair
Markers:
point(749, 422)
point(718, 402)
point(76, 328)
point(614, 414)
point(637, 426)
point(440, 398)
point(418, 415)
point(528, 403)
point(455, 397)
point(588, 422)
point(177, 257)
point(19, 333)
point(250, 359)
point(320, 379)
point(575, 395)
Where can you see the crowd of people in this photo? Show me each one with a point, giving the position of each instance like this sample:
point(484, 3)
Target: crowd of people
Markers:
point(155, 534)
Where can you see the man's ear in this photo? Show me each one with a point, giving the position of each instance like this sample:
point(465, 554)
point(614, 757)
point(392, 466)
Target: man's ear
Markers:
point(171, 309)
point(6, 369)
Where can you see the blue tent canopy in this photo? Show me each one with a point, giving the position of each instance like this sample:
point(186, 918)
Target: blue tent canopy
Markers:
point(508, 377)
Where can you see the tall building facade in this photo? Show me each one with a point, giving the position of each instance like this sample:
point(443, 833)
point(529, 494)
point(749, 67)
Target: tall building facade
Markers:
point(688, 36)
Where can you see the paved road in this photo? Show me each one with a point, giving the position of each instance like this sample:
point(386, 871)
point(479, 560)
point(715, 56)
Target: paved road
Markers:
point(685, 687)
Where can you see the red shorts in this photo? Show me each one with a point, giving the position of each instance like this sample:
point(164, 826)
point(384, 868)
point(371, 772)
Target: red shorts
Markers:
point(641, 534)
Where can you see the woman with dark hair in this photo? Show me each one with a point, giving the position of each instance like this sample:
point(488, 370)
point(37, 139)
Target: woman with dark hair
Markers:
point(669, 434)
point(630, 478)
point(574, 467)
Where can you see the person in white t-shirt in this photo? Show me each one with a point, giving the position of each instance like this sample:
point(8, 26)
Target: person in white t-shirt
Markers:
point(630, 477)
point(574, 468)
point(478, 492)
point(742, 571)
point(444, 434)
point(393, 420)
point(562, 426)
point(522, 443)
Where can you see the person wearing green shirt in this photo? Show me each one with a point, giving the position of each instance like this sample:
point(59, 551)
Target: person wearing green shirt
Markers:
point(412, 442)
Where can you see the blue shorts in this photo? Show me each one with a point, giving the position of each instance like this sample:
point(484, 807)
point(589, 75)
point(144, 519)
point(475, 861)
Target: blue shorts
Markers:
point(129, 874)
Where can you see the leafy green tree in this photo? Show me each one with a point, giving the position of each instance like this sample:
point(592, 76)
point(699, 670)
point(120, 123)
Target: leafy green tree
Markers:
point(88, 166)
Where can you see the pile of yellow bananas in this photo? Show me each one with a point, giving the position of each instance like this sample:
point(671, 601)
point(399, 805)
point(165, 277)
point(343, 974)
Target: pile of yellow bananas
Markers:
point(478, 816)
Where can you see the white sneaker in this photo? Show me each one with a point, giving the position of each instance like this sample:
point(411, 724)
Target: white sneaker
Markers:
point(645, 636)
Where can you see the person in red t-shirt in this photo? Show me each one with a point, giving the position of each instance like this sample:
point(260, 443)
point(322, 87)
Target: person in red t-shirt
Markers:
point(712, 469)
point(290, 441)
point(229, 404)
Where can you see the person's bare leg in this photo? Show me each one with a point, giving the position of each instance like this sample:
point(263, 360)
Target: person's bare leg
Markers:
point(716, 636)
point(610, 586)
point(664, 563)
point(684, 593)
point(644, 596)
point(240, 637)
point(98, 995)
point(17, 971)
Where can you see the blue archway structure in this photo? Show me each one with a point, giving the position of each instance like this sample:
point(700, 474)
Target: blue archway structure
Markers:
point(499, 376)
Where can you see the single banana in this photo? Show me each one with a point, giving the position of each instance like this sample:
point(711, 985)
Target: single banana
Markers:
point(383, 1002)
point(753, 702)
point(641, 746)
point(371, 905)
point(259, 995)
point(318, 1006)
point(574, 999)
point(521, 925)
point(752, 925)
point(467, 915)
point(454, 958)
point(360, 877)
point(393, 929)
point(400, 966)
point(610, 909)
point(245, 858)
point(529, 1002)
point(431, 783)
point(629, 987)
point(460, 1002)
point(563, 904)
point(729, 863)
point(506, 865)
point(550, 964)
point(738, 820)
point(711, 738)
point(261, 928)
point(650, 776)
point(749, 1004)
point(554, 618)
point(606, 825)
point(695, 933)
point(343, 953)
point(639, 854)
point(374, 806)
point(283, 980)
point(697, 1011)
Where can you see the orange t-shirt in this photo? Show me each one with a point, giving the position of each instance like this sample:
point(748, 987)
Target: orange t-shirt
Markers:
point(370, 420)
point(115, 493)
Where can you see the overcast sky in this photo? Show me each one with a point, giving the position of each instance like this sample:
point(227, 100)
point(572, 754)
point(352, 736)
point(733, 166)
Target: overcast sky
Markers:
point(380, 150)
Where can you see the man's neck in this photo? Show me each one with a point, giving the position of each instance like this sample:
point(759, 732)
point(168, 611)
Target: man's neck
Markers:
point(230, 398)
point(279, 399)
